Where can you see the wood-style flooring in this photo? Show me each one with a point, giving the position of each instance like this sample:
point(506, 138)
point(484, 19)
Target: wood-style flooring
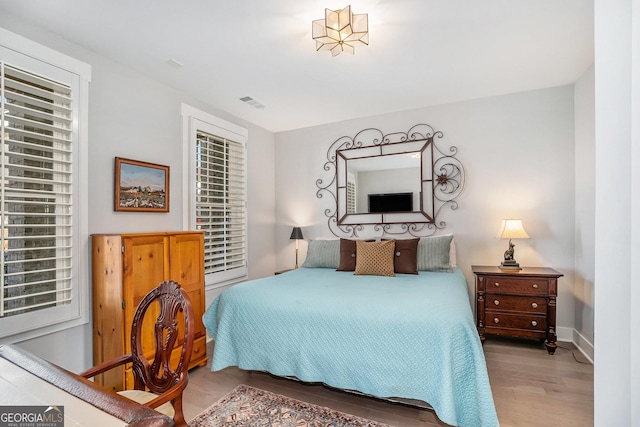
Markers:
point(530, 388)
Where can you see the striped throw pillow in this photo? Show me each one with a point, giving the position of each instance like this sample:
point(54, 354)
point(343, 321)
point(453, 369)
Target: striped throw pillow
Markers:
point(323, 254)
point(433, 253)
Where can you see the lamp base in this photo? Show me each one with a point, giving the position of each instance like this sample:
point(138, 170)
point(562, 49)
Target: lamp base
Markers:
point(510, 265)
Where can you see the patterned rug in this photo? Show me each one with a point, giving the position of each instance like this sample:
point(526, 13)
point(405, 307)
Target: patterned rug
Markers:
point(246, 406)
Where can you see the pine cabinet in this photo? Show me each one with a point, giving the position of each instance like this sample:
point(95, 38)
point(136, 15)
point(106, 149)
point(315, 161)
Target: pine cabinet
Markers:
point(125, 267)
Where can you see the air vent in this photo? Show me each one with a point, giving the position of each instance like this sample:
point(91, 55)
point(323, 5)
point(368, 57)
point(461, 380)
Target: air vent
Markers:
point(249, 100)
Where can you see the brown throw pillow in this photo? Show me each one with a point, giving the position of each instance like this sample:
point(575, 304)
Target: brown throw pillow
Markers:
point(405, 260)
point(348, 251)
point(375, 258)
point(347, 255)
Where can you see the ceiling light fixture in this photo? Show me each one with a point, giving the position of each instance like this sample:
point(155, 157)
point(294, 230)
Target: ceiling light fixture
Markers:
point(340, 31)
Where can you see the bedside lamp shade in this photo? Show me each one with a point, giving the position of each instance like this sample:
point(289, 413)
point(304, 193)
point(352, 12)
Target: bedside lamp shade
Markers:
point(511, 229)
point(296, 234)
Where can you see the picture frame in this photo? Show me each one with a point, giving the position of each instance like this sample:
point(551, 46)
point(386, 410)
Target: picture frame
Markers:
point(140, 186)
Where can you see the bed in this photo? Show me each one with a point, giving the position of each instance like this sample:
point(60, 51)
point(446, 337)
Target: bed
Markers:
point(411, 336)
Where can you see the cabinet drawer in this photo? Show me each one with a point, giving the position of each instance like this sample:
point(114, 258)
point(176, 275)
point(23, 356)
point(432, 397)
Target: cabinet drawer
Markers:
point(500, 320)
point(520, 285)
point(199, 352)
point(495, 302)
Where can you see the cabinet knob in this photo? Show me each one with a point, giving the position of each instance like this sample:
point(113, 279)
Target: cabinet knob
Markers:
point(534, 305)
point(496, 320)
point(496, 302)
point(535, 286)
point(497, 284)
point(534, 323)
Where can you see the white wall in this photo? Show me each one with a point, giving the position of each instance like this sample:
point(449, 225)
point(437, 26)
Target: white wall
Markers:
point(518, 151)
point(584, 101)
point(617, 217)
point(134, 117)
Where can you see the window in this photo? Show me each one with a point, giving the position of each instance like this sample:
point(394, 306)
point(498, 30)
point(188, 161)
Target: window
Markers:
point(217, 193)
point(41, 142)
point(351, 195)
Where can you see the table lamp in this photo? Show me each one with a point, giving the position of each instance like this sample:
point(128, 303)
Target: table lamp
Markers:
point(511, 229)
point(296, 234)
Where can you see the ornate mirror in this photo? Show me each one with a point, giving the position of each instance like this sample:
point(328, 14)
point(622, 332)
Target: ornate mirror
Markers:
point(395, 184)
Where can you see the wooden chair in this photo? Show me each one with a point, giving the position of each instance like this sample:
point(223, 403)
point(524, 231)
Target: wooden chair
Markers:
point(157, 385)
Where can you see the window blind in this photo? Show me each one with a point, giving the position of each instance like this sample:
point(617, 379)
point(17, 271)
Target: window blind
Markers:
point(36, 191)
point(351, 197)
point(220, 204)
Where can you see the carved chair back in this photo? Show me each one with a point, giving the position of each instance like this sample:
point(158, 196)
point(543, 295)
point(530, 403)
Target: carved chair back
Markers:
point(173, 304)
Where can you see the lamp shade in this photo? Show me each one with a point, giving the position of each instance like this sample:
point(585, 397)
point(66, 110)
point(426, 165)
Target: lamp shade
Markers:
point(512, 229)
point(296, 233)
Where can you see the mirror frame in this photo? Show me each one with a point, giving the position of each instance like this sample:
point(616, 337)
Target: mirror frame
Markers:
point(442, 179)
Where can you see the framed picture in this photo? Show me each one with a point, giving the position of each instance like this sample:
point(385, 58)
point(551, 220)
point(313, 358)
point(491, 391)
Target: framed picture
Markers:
point(141, 186)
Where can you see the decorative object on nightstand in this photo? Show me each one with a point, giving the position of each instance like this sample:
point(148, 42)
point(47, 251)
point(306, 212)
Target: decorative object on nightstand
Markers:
point(511, 229)
point(518, 303)
point(296, 234)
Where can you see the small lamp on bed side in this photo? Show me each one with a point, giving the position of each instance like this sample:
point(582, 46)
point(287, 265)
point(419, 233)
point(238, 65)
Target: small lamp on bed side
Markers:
point(511, 229)
point(296, 234)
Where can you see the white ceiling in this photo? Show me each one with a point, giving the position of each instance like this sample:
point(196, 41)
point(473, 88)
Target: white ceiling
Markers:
point(421, 52)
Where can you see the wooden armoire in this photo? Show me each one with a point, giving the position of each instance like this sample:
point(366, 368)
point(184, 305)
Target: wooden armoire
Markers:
point(125, 267)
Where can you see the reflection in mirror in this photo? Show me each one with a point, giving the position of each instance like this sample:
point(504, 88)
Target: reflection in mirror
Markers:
point(384, 184)
point(390, 184)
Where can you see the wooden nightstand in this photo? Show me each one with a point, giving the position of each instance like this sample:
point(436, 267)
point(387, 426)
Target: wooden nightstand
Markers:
point(519, 303)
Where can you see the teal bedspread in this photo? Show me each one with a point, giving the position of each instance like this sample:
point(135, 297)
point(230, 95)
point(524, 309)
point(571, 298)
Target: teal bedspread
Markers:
point(409, 336)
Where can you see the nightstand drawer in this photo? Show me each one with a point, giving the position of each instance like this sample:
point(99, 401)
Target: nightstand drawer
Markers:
point(515, 321)
point(520, 285)
point(517, 303)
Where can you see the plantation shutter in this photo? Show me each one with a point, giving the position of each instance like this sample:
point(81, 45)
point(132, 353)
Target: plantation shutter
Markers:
point(36, 191)
point(220, 204)
point(351, 197)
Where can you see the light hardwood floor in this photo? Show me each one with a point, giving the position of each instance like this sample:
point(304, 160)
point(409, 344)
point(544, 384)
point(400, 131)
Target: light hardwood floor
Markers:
point(530, 388)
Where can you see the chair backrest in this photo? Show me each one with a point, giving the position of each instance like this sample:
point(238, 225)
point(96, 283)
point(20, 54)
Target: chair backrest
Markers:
point(173, 304)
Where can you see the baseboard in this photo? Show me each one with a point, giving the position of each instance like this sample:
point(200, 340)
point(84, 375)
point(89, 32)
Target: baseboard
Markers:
point(564, 334)
point(583, 345)
point(571, 335)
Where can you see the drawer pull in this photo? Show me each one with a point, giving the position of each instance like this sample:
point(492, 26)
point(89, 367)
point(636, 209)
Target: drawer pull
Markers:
point(534, 305)
point(496, 302)
point(535, 286)
point(496, 320)
point(534, 323)
point(497, 284)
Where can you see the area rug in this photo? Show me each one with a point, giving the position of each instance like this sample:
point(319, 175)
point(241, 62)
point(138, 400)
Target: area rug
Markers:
point(246, 406)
